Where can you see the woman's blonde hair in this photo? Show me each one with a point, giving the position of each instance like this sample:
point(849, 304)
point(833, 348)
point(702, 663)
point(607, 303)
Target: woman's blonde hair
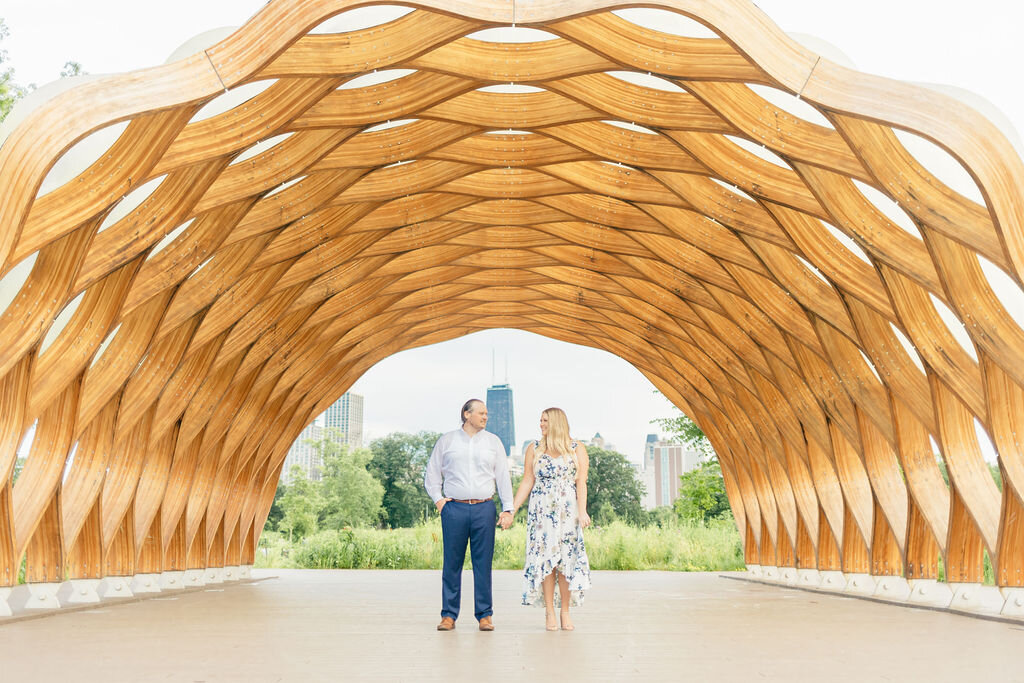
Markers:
point(557, 439)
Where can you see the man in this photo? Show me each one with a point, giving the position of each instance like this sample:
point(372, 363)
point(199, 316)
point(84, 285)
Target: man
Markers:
point(464, 468)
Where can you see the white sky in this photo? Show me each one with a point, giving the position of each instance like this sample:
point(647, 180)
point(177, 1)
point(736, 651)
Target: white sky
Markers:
point(914, 40)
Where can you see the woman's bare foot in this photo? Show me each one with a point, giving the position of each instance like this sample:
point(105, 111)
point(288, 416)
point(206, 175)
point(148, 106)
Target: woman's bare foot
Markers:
point(567, 624)
point(549, 621)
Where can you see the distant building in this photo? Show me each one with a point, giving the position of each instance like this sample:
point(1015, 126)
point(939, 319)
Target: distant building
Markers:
point(302, 453)
point(500, 418)
point(664, 462)
point(346, 416)
point(598, 441)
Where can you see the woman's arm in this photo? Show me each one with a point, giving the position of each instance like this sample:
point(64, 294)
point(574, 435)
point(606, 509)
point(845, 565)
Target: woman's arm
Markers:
point(526, 485)
point(582, 468)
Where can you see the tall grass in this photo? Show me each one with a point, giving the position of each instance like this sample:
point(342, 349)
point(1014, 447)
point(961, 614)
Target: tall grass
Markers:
point(715, 547)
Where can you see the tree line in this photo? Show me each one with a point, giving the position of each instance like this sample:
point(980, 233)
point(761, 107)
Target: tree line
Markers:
point(382, 486)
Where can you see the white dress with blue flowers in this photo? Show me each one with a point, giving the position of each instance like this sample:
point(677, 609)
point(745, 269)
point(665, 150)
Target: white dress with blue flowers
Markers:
point(554, 538)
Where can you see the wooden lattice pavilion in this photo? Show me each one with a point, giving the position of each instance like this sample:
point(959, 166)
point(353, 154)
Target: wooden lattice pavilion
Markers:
point(268, 222)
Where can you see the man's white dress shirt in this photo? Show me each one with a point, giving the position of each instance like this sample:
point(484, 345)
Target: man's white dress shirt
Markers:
point(465, 467)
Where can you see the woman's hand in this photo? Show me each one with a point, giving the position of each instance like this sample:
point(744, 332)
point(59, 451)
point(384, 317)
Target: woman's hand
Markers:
point(584, 519)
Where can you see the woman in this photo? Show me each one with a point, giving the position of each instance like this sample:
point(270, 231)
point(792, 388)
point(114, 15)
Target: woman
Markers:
point(555, 479)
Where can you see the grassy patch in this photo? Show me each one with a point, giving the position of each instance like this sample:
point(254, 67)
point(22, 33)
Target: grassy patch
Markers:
point(618, 546)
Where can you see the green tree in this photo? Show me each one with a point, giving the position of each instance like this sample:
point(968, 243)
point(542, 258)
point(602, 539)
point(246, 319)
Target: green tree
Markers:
point(10, 92)
point(71, 68)
point(613, 491)
point(350, 495)
point(684, 430)
point(398, 463)
point(702, 493)
point(299, 505)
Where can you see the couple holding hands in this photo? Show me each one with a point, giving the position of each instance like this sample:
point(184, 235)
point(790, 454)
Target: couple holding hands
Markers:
point(465, 467)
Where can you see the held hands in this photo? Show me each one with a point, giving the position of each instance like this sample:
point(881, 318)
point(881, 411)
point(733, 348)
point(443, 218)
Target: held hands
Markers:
point(584, 519)
point(505, 520)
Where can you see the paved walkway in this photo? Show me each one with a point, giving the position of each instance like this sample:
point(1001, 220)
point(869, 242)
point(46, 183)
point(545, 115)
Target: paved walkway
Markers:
point(379, 626)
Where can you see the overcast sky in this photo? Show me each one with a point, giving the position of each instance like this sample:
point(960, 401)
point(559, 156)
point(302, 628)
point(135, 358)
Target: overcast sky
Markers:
point(912, 40)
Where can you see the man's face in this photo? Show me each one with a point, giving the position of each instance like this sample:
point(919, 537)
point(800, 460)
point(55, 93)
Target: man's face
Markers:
point(477, 416)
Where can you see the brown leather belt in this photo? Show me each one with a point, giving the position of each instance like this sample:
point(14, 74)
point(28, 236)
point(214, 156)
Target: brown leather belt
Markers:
point(471, 501)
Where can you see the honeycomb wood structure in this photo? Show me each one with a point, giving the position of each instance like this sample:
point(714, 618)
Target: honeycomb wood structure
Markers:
point(729, 249)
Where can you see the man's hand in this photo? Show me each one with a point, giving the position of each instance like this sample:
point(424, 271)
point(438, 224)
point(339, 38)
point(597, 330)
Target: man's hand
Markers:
point(505, 519)
point(441, 502)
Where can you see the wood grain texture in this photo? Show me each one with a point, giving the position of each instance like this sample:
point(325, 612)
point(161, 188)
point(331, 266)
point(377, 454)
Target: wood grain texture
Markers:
point(254, 286)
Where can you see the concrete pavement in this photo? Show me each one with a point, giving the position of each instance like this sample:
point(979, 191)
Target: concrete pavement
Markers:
point(308, 625)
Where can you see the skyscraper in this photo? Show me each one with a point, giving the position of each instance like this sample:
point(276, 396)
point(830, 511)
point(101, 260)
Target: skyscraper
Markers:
point(302, 453)
point(500, 418)
point(346, 416)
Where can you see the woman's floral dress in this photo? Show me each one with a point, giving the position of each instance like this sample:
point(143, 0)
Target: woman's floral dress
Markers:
point(554, 537)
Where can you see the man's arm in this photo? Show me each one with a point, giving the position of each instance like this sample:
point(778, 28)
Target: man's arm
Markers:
point(432, 478)
point(504, 484)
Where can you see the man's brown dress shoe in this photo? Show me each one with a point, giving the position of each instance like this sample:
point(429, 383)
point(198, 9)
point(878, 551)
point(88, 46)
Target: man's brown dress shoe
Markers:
point(486, 625)
point(447, 624)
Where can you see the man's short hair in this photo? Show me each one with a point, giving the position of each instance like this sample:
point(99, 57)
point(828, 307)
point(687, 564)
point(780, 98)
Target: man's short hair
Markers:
point(467, 407)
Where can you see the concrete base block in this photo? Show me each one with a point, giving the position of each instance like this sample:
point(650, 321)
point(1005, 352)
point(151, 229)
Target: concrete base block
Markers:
point(114, 588)
point(245, 571)
point(930, 592)
point(832, 581)
point(5, 608)
point(788, 576)
point(194, 578)
point(860, 584)
point(214, 575)
point(894, 588)
point(31, 597)
point(770, 573)
point(754, 570)
point(145, 583)
point(78, 592)
point(1014, 604)
point(973, 597)
point(232, 573)
point(172, 581)
point(808, 578)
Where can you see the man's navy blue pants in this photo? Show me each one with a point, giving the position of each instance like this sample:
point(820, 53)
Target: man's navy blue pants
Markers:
point(462, 523)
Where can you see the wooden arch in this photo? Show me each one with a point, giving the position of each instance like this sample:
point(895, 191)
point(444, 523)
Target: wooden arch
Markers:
point(729, 249)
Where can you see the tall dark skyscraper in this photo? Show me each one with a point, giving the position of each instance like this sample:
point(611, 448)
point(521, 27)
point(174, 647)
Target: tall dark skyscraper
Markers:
point(500, 418)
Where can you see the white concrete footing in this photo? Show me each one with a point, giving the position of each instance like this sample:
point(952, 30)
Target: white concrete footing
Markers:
point(172, 581)
point(930, 592)
point(894, 588)
point(245, 571)
point(214, 575)
point(770, 573)
point(973, 597)
point(30, 597)
point(78, 592)
point(860, 584)
point(194, 578)
point(808, 578)
point(145, 583)
point(114, 588)
point(232, 573)
point(755, 571)
point(1014, 603)
point(788, 576)
point(832, 581)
